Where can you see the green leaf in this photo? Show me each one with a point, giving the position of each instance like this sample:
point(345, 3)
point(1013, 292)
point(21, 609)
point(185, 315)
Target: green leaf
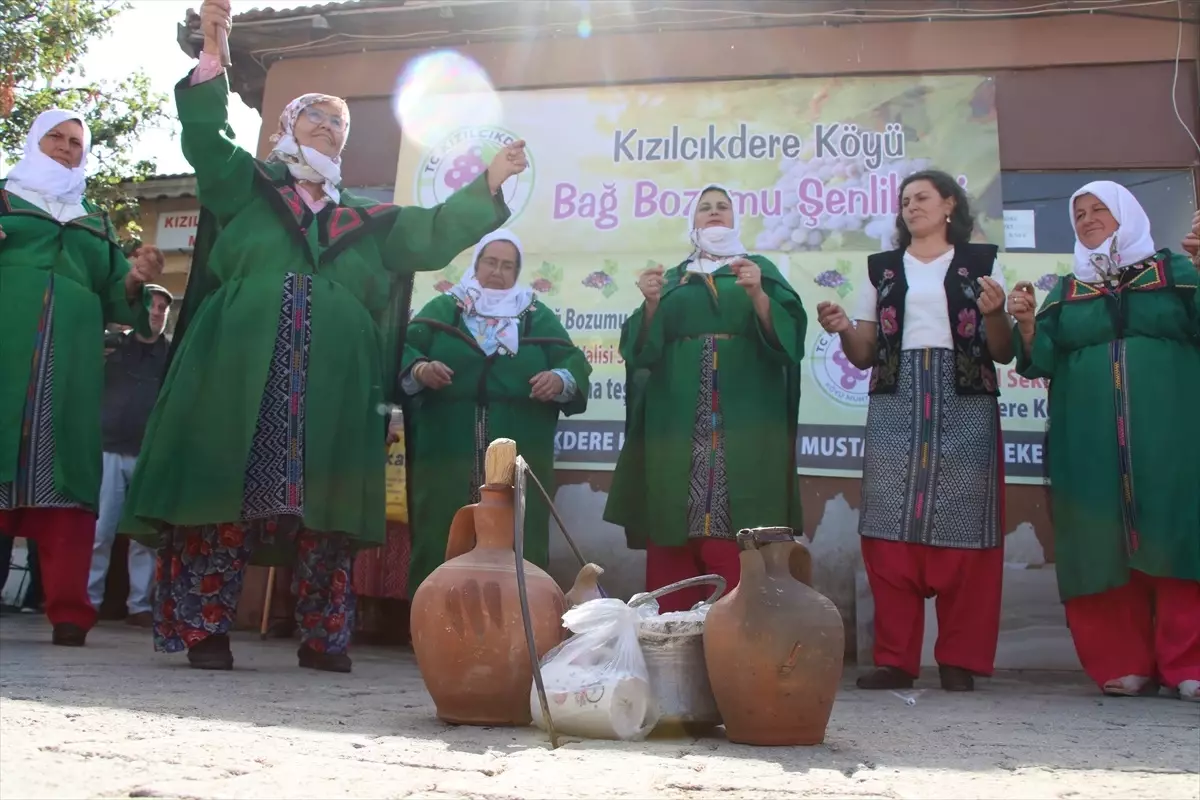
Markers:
point(844, 290)
point(609, 289)
point(610, 267)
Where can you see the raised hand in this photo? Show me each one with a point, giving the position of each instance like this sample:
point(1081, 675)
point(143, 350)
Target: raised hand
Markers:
point(145, 267)
point(1022, 304)
point(832, 317)
point(508, 162)
point(749, 275)
point(1191, 242)
point(991, 297)
point(651, 284)
point(216, 18)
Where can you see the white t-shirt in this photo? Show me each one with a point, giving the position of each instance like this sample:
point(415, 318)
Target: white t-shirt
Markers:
point(926, 315)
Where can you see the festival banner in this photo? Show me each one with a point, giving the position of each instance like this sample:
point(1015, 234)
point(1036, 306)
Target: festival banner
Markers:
point(814, 167)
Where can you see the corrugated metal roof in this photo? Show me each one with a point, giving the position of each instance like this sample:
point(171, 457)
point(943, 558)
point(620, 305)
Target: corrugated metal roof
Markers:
point(268, 13)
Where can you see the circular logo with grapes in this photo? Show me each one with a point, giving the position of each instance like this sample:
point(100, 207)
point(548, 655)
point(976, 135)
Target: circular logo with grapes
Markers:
point(465, 155)
point(843, 382)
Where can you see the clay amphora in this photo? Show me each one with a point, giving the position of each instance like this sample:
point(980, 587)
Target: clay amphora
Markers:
point(466, 617)
point(773, 647)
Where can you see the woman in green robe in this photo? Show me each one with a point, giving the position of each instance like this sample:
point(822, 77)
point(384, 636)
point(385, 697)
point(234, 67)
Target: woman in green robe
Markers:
point(1119, 341)
point(268, 438)
point(62, 278)
point(713, 356)
point(484, 361)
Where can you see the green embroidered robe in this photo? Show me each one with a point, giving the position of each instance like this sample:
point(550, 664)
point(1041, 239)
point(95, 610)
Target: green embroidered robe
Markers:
point(759, 403)
point(447, 438)
point(1125, 481)
point(192, 469)
point(86, 267)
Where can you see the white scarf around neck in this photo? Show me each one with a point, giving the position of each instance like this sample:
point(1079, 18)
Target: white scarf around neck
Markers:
point(1130, 244)
point(713, 248)
point(41, 175)
point(303, 162)
point(493, 314)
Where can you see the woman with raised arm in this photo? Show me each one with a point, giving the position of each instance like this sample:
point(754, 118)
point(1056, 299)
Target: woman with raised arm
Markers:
point(268, 439)
point(711, 443)
point(485, 360)
point(62, 278)
point(1119, 340)
point(930, 322)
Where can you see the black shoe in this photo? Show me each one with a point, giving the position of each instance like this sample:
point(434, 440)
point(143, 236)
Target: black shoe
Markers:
point(885, 678)
point(68, 635)
point(956, 679)
point(326, 662)
point(211, 653)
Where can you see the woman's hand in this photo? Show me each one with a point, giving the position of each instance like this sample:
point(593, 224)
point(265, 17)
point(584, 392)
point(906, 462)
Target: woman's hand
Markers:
point(2, 234)
point(1191, 242)
point(433, 374)
point(832, 317)
point(991, 297)
point(215, 16)
point(1022, 305)
point(146, 266)
point(749, 276)
point(546, 386)
point(650, 283)
point(395, 428)
point(508, 162)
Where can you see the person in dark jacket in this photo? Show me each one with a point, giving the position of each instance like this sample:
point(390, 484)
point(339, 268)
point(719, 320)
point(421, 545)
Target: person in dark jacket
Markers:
point(133, 371)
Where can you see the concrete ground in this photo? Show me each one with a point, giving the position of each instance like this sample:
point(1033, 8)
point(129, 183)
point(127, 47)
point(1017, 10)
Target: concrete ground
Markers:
point(116, 720)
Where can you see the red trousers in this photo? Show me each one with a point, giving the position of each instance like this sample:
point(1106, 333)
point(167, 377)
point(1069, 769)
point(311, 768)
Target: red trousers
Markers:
point(64, 537)
point(967, 585)
point(1149, 627)
point(666, 565)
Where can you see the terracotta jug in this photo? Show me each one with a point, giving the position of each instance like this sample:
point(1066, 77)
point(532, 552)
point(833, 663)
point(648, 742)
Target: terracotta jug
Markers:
point(466, 617)
point(774, 647)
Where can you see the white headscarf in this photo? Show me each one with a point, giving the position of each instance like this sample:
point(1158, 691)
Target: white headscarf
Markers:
point(492, 314)
point(304, 162)
point(1129, 245)
point(713, 248)
point(40, 176)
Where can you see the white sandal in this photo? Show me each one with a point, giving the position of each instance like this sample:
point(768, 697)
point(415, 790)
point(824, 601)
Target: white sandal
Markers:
point(1128, 686)
point(1190, 691)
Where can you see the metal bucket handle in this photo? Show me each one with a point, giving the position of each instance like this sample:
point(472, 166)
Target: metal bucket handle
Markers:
point(701, 580)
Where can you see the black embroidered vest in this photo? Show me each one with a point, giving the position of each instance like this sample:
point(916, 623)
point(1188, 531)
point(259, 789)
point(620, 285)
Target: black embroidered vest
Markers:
point(974, 371)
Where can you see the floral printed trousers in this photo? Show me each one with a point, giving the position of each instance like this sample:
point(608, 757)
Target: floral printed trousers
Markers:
point(201, 571)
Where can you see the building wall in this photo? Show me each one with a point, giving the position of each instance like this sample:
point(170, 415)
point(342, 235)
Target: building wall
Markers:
point(178, 262)
point(1055, 105)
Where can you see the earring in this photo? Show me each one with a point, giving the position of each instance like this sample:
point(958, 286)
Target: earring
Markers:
point(947, 219)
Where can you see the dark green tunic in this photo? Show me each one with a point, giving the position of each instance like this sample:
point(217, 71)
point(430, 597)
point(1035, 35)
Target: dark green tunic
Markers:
point(193, 465)
point(487, 400)
point(1124, 370)
point(759, 400)
point(83, 263)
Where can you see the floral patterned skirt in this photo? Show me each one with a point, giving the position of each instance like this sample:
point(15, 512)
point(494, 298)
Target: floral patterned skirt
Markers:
point(201, 570)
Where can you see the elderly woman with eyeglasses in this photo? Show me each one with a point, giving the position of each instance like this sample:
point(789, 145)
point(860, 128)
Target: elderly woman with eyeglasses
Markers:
point(268, 439)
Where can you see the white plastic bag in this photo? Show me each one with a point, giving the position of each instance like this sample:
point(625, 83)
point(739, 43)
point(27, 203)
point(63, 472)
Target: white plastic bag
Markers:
point(596, 682)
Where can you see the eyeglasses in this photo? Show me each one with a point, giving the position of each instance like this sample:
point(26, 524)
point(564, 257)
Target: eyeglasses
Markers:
point(316, 116)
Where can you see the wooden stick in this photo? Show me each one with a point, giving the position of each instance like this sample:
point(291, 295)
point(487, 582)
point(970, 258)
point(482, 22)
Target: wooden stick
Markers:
point(223, 47)
point(266, 614)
